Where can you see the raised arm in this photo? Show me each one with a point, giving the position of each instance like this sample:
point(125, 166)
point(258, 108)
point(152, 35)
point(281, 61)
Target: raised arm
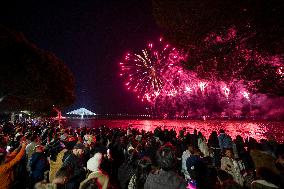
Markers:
point(18, 157)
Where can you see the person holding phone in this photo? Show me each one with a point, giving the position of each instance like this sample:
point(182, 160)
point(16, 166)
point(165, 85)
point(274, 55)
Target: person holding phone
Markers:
point(7, 164)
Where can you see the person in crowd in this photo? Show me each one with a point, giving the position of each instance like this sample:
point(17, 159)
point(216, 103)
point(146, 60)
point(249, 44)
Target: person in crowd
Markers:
point(214, 149)
point(8, 163)
point(59, 181)
point(185, 155)
point(225, 141)
point(98, 176)
point(57, 164)
point(182, 133)
point(243, 153)
point(122, 150)
point(138, 180)
point(262, 158)
point(240, 146)
point(89, 142)
point(266, 179)
point(127, 169)
point(165, 177)
point(90, 184)
point(30, 148)
point(202, 144)
point(279, 162)
point(232, 166)
point(226, 180)
point(197, 169)
point(194, 138)
point(38, 165)
point(75, 162)
point(101, 145)
point(267, 147)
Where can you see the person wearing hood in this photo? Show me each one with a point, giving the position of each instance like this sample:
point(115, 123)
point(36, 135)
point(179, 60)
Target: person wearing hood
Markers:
point(165, 177)
point(75, 162)
point(97, 175)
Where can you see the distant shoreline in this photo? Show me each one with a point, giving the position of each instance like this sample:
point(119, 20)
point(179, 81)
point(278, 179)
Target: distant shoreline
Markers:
point(246, 128)
point(172, 119)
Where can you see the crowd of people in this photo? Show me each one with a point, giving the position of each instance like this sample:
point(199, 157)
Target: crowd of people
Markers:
point(45, 155)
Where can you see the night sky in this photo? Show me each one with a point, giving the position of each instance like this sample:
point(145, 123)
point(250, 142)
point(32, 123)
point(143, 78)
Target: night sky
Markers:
point(91, 37)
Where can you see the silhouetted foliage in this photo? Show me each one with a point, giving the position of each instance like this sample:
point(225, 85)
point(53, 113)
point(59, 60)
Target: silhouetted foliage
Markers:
point(31, 78)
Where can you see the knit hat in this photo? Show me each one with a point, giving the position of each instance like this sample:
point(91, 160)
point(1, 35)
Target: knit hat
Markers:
point(94, 163)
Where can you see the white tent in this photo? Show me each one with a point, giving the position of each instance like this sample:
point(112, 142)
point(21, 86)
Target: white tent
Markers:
point(81, 112)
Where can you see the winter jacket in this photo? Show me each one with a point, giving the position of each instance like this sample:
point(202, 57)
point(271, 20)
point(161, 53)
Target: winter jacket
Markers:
point(29, 152)
point(6, 169)
point(233, 167)
point(76, 166)
point(185, 155)
point(202, 145)
point(164, 180)
point(38, 165)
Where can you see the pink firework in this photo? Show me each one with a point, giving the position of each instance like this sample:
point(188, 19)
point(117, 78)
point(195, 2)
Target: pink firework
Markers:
point(157, 76)
point(202, 85)
point(226, 91)
point(280, 71)
point(144, 72)
point(245, 95)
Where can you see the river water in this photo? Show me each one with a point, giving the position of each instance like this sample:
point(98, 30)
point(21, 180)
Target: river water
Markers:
point(255, 129)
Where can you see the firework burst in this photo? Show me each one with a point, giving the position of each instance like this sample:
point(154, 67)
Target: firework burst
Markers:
point(144, 72)
point(157, 76)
